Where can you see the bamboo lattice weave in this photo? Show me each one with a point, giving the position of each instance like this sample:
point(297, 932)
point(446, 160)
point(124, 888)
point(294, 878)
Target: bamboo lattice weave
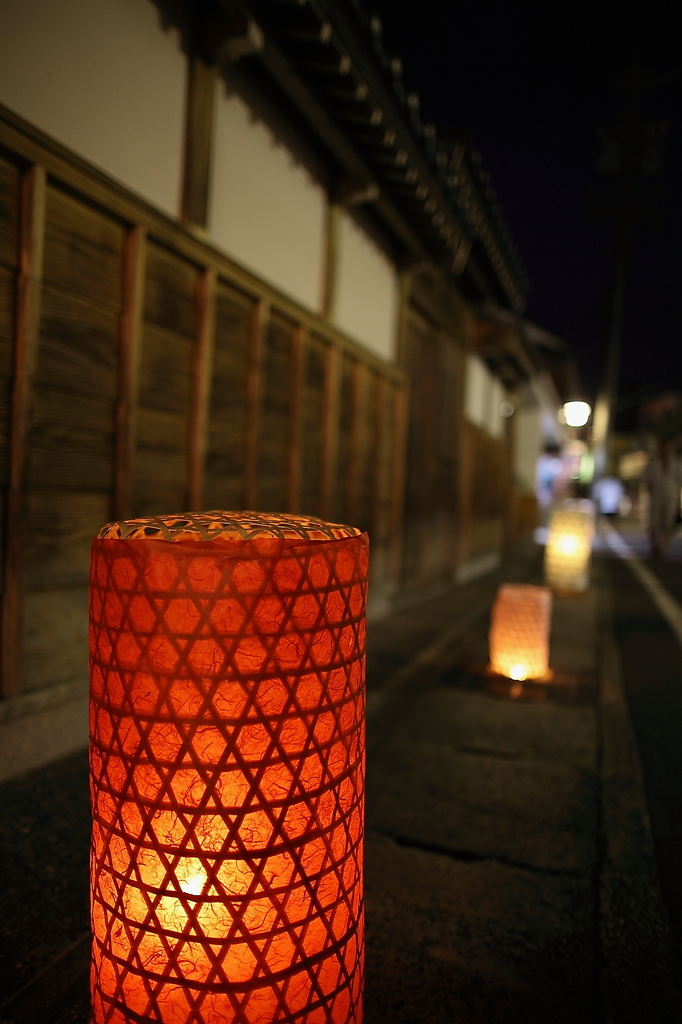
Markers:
point(231, 526)
point(227, 769)
point(520, 624)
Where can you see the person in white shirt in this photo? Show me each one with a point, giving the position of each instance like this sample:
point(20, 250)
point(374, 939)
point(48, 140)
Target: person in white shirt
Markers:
point(663, 477)
point(608, 492)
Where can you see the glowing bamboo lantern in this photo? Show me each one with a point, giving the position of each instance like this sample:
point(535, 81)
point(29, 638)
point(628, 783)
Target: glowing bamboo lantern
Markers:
point(227, 770)
point(519, 632)
point(568, 550)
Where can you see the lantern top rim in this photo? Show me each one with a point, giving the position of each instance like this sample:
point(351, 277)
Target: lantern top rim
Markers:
point(511, 593)
point(219, 525)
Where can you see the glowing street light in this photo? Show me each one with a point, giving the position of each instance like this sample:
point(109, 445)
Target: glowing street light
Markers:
point(577, 413)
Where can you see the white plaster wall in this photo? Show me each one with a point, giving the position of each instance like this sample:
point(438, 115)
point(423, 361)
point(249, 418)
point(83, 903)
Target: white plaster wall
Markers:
point(483, 396)
point(527, 444)
point(366, 290)
point(476, 391)
point(103, 78)
point(495, 423)
point(265, 209)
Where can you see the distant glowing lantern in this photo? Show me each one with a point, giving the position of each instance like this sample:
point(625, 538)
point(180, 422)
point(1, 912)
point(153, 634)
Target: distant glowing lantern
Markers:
point(227, 770)
point(577, 414)
point(519, 632)
point(568, 550)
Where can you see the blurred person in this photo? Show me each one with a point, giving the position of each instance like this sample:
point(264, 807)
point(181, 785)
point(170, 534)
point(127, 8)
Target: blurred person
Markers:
point(608, 493)
point(548, 473)
point(663, 478)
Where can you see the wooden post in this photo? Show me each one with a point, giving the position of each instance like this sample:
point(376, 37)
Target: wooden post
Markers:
point(259, 323)
point(298, 343)
point(404, 310)
point(465, 485)
point(331, 252)
point(398, 458)
point(27, 326)
point(131, 332)
point(201, 86)
point(463, 470)
point(381, 454)
point(356, 445)
point(201, 388)
point(331, 430)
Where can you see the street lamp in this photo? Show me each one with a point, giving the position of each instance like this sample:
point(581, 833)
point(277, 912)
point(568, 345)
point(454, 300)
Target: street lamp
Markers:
point(577, 413)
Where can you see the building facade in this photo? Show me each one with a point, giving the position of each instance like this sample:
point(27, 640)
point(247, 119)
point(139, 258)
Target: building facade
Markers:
point(236, 271)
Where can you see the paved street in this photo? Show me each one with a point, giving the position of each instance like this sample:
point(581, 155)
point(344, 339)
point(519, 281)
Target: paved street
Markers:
point(511, 873)
point(652, 676)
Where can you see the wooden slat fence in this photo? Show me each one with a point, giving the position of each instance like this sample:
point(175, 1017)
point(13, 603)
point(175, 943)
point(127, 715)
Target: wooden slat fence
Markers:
point(142, 371)
point(431, 522)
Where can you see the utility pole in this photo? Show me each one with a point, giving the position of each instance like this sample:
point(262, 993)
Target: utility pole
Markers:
point(635, 148)
point(621, 154)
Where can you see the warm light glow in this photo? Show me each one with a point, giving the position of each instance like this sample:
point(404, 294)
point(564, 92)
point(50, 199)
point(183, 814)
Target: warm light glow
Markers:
point(568, 544)
point(569, 547)
point(577, 413)
point(194, 883)
point(227, 770)
point(519, 631)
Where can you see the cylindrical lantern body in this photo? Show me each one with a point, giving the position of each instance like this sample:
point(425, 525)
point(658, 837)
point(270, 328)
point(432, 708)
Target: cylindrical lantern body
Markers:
point(568, 550)
point(227, 770)
point(519, 631)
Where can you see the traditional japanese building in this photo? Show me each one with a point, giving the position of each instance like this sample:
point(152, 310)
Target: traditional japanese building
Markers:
point(237, 270)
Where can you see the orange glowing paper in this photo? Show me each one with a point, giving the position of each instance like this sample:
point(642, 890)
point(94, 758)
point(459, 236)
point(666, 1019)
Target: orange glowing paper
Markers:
point(519, 631)
point(227, 770)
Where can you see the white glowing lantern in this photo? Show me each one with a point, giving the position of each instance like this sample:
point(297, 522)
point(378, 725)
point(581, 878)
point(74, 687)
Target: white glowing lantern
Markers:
point(568, 550)
point(577, 414)
point(519, 631)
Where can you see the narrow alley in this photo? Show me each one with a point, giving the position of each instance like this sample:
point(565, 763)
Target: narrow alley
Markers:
point(520, 846)
point(338, 335)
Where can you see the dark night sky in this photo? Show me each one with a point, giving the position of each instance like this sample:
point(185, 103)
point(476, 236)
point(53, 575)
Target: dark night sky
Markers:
point(529, 83)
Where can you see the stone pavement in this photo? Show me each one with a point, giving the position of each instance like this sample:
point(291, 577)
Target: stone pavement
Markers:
point(510, 872)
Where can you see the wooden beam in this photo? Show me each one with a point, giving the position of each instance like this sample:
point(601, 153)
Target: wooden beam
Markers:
point(292, 85)
point(298, 343)
point(201, 87)
point(27, 327)
point(331, 430)
point(129, 353)
point(201, 388)
point(259, 323)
